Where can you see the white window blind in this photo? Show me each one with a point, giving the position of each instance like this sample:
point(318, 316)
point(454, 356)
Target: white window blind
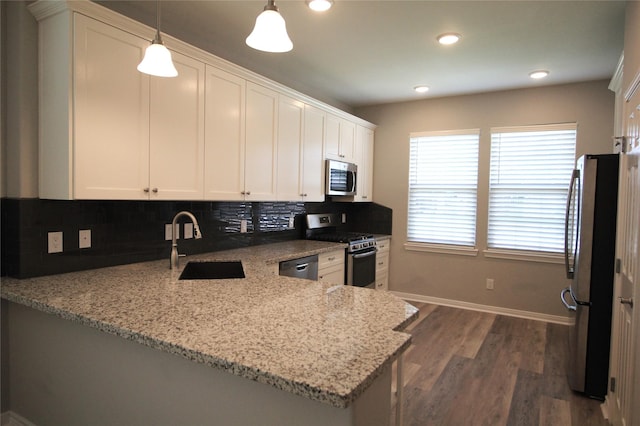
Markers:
point(443, 186)
point(530, 173)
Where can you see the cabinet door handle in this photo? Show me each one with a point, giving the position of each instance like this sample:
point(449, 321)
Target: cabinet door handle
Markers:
point(628, 301)
point(146, 190)
point(155, 190)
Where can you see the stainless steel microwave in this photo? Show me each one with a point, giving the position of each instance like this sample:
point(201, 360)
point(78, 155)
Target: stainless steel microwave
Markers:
point(341, 178)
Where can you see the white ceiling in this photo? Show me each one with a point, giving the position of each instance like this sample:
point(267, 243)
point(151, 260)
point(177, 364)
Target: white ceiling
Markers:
point(371, 52)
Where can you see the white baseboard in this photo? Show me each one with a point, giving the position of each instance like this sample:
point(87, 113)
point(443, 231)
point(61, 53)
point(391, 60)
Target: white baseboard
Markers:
point(556, 319)
point(9, 418)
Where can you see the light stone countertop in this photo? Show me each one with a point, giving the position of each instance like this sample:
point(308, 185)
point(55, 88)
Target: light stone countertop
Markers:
point(327, 343)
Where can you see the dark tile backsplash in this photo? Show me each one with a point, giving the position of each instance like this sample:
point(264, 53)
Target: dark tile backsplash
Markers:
point(133, 231)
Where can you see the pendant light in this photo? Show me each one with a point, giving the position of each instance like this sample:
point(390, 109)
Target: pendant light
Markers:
point(157, 58)
point(270, 32)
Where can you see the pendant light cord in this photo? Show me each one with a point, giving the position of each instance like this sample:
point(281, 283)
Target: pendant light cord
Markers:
point(158, 39)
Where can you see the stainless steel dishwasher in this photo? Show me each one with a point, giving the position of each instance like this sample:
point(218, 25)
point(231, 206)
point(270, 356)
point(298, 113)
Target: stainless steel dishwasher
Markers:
point(304, 267)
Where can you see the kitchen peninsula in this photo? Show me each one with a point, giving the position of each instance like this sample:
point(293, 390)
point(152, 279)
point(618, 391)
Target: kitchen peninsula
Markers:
point(133, 344)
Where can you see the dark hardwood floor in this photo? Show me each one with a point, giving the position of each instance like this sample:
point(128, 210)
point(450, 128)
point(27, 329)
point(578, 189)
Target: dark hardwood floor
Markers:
point(473, 368)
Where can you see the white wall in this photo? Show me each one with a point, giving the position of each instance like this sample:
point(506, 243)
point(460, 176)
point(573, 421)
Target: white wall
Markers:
point(19, 159)
point(520, 285)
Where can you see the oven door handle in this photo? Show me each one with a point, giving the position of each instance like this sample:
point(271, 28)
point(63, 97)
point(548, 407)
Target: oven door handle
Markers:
point(367, 254)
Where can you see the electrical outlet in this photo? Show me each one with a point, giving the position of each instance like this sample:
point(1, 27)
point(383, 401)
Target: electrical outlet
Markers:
point(168, 235)
point(291, 223)
point(344, 218)
point(84, 238)
point(54, 242)
point(489, 283)
point(243, 225)
point(188, 230)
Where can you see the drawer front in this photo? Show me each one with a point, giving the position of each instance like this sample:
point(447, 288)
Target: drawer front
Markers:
point(382, 261)
point(382, 279)
point(330, 259)
point(383, 246)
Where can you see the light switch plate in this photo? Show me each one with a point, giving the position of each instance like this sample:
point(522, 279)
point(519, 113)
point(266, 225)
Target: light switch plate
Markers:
point(168, 235)
point(84, 238)
point(291, 221)
point(54, 242)
point(188, 230)
point(243, 225)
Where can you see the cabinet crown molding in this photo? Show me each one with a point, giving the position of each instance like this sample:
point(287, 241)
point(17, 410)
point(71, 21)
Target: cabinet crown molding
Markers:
point(43, 9)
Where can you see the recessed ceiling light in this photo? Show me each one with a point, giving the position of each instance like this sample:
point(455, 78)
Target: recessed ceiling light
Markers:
point(319, 5)
point(421, 89)
point(536, 75)
point(448, 38)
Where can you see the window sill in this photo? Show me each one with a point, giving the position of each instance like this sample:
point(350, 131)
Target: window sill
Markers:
point(529, 256)
point(441, 248)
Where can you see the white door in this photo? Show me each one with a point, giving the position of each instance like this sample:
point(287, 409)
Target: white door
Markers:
point(290, 116)
point(625, 363)
point(364, 160)
point(260, 171)
point(111, 128)
point(224, 136)
point(312, 154)
point(176, 159)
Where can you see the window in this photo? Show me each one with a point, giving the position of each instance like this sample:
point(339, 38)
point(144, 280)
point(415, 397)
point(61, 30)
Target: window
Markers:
point(443, 186)
point(529, 178)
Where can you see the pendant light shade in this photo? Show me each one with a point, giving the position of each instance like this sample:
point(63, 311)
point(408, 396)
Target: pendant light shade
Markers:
point(157, 58)
point(157, 61)
point(270, 31)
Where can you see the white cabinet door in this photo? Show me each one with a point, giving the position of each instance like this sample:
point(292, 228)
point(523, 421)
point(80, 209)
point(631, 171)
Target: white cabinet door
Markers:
point(347, 140)
point(340, 139)
point(332, 137)
point(224, 136)
point(312, 154)
point(261, 143)
point(290, 118)
point(364, 159)
point(111, 121)
point(177, 132)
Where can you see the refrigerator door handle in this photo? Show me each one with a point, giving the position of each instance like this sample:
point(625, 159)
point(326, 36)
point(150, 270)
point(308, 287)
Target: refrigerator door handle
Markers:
point(570, 268)
point(564, 301)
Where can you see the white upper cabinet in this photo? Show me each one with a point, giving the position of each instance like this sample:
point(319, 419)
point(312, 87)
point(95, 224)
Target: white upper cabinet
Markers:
point(215, 132)
point(340, 139)
point(176, 163)
point(224, 136)
point(364, 160)
point(134, 137)
point(261, 144)
point(109, 144)
point(290, 121)
point(312, 182)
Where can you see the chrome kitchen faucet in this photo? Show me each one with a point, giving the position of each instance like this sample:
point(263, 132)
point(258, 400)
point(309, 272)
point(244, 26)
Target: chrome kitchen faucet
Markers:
point(174, 244)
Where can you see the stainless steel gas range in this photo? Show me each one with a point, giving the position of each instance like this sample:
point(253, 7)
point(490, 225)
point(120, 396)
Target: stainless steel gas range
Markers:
point(360, 255)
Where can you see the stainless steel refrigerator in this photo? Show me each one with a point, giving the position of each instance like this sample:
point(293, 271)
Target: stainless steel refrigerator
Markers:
point(590, 231)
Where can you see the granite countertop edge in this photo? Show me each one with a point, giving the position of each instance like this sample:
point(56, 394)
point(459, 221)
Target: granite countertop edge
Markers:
point(336, 399)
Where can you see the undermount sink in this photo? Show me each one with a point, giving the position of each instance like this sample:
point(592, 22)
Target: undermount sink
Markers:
point(212, 270)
